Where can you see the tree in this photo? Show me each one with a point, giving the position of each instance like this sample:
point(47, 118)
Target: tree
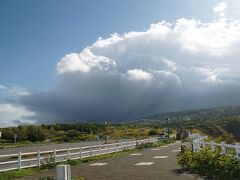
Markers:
point(72, 133)
point(37, 133)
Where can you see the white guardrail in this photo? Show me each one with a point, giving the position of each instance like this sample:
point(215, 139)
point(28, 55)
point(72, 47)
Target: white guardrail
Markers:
point(36, 159)
point(199, 143)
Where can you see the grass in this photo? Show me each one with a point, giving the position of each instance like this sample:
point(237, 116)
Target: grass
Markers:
point(11, 175)
point(8, 175)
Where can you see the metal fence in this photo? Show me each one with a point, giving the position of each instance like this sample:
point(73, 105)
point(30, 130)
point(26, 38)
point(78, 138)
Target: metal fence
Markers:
point(36, 159)
point(227, 149)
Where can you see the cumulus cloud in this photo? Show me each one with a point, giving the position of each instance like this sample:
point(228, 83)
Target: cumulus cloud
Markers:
point(14, 90)
point(168, 67)
point(10, 114)
point(220, 9)
point(138, 74)
point(84, 62)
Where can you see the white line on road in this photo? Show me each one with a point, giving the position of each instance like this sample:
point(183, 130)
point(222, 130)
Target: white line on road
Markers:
point(144, 164)
point(164, 146)
point(136, 154)
point(98, 164)
point(160, 157)
point(176, 150)
point(155, 149)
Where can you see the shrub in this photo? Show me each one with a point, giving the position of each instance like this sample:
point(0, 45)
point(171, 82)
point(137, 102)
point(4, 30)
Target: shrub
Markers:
point(49, 163)
point(211, 164)
point(178, 136)
point(152, 133)
point(72, 133)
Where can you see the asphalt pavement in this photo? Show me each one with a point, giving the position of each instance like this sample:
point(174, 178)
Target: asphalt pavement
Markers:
point(149, 164)
point(46, 147)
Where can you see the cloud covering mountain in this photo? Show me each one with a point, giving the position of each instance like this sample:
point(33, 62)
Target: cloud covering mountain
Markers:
point(168, 67)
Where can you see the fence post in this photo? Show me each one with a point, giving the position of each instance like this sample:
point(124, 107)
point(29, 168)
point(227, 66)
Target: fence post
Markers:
point(80, 152)
point(68, 153)
point(115, 147)
point(38, 158)
point(55, 155)
point(19, 160)
point(63, 172)
point(212, 146)
point(237, 150)
point(100, 149)
point(223, 148)
point(91, 151)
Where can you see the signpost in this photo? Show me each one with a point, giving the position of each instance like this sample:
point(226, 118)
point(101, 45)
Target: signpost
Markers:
point(15, 138)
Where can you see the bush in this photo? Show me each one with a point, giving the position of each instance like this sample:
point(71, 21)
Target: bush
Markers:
point(72, 133)
point(146, 145)
point(211, 164)
point(178, 136)
point(152, 133)
point(48, 163)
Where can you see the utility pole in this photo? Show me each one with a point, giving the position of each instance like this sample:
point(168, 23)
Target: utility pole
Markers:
point(167, 126)
point(77, 125)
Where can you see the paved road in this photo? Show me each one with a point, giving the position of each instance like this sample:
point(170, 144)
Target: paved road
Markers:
point(50, 147)
point(124, 167)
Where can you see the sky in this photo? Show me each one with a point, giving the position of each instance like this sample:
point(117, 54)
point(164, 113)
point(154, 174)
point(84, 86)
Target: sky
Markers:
point(87, 60)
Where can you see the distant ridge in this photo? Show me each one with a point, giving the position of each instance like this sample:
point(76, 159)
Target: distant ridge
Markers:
point(193, 114)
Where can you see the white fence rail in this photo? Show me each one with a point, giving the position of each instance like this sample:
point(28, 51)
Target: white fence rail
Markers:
point(36, 159)
point(199, 143)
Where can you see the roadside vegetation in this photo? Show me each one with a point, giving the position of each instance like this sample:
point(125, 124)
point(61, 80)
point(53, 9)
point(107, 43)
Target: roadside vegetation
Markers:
point(29, 135)
point(14, 174)
point(219, 124)
point(211, 164)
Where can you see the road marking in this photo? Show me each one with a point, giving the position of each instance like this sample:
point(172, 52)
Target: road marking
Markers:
point(164, 146)
point(98, 164)
point(144, 164)
point(155, 149)
point(136, 154)
point(176, 150)
point(160, 157)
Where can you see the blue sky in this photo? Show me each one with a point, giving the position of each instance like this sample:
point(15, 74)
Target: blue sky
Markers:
point(34, 35)
point(153, 56)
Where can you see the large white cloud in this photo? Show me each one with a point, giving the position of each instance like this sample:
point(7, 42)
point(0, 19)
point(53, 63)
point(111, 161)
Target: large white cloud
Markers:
point(188, 64)
point(11, 115)
point(220, 8)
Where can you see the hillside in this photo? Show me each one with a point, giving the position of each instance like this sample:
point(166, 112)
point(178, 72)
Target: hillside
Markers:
point(197, 113)
point(220, 122)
